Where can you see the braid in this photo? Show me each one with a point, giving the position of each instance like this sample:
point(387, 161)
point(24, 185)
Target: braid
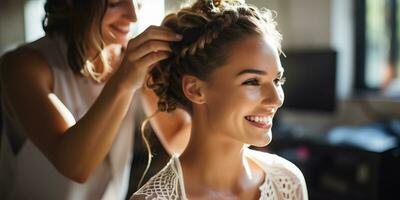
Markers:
point(208, 27)
point(159, 83)
point(161, 76)
point(212, 30)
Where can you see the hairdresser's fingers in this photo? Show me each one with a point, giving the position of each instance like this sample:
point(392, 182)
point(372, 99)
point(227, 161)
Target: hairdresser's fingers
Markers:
point(147, 48)
point(138, 70)
point(154, 33)
point(151, 59)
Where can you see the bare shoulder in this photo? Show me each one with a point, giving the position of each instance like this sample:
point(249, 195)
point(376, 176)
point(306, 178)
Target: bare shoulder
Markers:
point(24, 65)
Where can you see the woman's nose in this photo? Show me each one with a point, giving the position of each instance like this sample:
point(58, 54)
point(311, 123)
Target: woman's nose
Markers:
point(131, 11)
point(273, 96)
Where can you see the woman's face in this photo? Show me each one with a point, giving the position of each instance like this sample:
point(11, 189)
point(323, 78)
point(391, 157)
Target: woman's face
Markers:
point(120, 14)
point(243, 95)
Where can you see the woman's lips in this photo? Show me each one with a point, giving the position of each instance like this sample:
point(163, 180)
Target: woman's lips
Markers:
point(120, 30)
point(260, 122)
point(261, 125)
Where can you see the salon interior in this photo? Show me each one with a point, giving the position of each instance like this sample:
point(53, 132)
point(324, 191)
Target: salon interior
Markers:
point(340, 122)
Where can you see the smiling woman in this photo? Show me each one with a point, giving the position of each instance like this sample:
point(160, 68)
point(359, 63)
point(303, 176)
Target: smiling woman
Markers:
point(227, 75)
point(243, 94)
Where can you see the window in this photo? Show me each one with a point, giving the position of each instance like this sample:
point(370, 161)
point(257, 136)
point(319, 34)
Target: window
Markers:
point(151, 13)
point(33, 16)
point(377, 43)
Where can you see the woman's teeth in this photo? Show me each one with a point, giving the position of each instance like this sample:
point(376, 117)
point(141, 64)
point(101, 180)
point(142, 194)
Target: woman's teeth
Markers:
point(259, 119)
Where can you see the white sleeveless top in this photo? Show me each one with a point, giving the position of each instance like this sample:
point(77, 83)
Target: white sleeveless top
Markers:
point(25, 173)
point(283, 180)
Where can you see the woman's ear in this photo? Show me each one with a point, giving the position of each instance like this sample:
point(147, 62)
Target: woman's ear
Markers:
point(193, 88)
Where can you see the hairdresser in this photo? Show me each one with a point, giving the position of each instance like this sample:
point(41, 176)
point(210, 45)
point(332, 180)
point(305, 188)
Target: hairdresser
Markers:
point(68, 101)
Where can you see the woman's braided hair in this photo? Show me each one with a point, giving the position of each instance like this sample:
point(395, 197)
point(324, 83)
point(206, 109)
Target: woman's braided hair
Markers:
point(209, 28)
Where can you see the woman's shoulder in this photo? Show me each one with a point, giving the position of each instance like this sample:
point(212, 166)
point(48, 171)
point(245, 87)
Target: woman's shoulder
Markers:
point(22, 54)
point(274, 162)
point(31, 56)
point(163, 185)
point(282, 174)
point(24, 63)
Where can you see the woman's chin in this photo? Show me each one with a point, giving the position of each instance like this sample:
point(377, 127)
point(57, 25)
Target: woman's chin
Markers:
point(263, 141)
point(121, 41)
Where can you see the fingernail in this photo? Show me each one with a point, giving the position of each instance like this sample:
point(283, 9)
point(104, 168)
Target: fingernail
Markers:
point(179, 37)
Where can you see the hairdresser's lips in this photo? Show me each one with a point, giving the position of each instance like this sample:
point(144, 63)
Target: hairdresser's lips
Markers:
point(259, 121)
point(120, 30)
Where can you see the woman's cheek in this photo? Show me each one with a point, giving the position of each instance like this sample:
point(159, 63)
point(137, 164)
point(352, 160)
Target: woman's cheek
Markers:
point(252, 95)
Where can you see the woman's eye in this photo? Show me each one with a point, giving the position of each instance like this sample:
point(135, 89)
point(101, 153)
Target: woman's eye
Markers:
point(252, 81)
point(113, 4)
point(280, 81)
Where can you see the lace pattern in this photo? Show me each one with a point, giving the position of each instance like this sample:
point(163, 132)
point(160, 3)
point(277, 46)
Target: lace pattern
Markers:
point(280, 182)
point(281, 186)
point(162, 186)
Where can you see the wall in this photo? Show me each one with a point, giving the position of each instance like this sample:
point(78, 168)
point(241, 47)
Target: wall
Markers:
point(12, 24)
point(297, 21)
point(297, 26)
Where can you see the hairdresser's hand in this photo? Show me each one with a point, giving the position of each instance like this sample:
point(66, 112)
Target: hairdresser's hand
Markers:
point(148, 48)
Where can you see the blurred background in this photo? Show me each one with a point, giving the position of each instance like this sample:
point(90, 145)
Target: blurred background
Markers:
point(341, 119)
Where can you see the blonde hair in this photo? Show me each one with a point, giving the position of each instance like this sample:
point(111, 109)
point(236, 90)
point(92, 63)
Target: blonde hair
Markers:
point(80, 24)
point(148, 147)
point(209, 28)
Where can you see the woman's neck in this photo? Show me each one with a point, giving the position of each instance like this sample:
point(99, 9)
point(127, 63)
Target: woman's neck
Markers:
point(216, 165)
point(212, 161)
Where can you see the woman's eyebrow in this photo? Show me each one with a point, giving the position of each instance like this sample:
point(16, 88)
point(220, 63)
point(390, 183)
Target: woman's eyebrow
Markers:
point(252, 71)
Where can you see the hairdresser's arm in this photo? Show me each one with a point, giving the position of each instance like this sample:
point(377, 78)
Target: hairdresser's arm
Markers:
point(173, 129)
point(76, 148)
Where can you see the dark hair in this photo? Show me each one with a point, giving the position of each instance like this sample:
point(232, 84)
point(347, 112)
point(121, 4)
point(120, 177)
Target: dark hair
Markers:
point(79, 21)
point(209, 28)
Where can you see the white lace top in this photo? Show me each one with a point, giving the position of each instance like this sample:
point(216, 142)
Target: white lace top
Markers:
point(283, 180)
